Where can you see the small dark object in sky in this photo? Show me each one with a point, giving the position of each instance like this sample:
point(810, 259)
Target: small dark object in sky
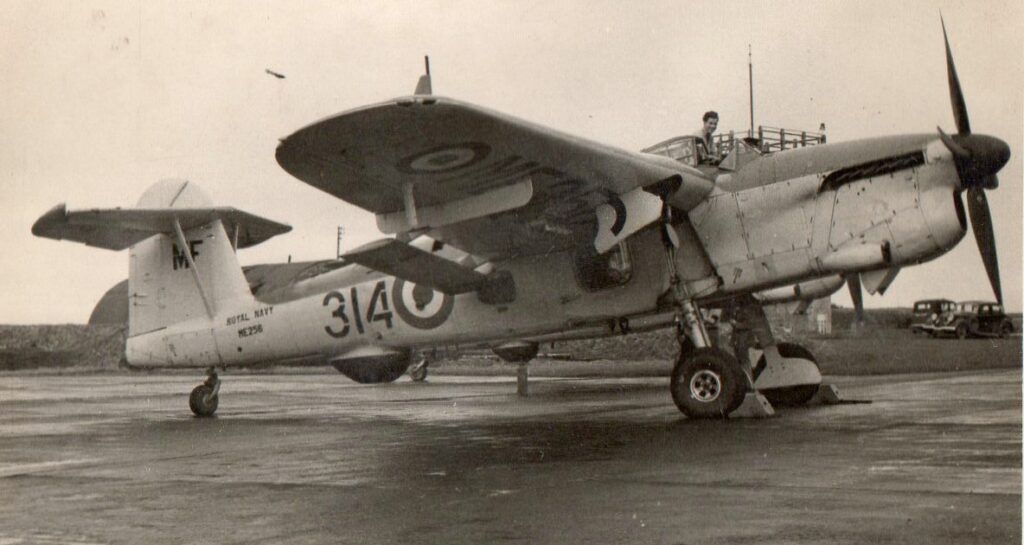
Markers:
point(275, 74)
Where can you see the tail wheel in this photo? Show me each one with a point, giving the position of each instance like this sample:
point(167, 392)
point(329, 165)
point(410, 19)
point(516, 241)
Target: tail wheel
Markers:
point(418, 372)
point(707, 383)
point(789, 396)
point(203, 401)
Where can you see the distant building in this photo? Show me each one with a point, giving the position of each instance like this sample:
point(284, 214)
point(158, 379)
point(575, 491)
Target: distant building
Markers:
point(817, 319)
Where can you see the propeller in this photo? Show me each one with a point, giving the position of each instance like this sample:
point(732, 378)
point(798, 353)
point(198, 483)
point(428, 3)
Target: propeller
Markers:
point(977, 158)
point(856, 295)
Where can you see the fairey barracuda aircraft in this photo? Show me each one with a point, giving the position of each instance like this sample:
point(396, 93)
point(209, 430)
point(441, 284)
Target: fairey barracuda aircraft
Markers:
point(508, 233)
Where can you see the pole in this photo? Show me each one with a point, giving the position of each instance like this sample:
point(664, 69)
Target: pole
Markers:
point(341, 233)
point(750, 80)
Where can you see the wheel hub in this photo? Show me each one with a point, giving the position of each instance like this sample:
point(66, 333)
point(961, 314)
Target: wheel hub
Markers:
point(705, 386)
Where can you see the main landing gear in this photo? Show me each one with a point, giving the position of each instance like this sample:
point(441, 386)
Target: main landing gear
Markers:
point(203, 400)
point(792, 380)
point(709, 381)
point(715, 380)
point(706, 382)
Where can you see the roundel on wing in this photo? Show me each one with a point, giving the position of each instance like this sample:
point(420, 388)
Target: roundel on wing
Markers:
point(419, 306)
point(444, 159)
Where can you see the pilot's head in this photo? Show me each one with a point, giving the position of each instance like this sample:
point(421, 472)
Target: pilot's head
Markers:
point(710, 121)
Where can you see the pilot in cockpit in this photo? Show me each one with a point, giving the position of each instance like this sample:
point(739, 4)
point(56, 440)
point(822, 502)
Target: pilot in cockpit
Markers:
point(707, 151)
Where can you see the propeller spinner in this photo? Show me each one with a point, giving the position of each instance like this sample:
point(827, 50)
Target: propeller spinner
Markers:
point(978, 158)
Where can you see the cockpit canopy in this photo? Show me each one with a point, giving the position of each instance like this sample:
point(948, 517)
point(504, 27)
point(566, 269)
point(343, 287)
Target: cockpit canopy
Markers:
point(690, 151)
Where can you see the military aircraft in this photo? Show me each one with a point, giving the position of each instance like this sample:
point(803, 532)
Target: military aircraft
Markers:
point(509, 233)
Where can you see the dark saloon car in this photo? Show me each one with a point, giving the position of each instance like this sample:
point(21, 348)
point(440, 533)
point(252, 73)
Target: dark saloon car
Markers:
point(975, 319)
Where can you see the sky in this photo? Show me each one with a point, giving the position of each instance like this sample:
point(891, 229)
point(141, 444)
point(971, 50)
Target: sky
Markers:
point(101, 100)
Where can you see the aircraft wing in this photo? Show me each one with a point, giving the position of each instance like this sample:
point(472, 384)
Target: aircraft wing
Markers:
point(484, 182)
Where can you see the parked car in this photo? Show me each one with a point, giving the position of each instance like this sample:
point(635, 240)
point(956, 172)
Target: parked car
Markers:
point(927, 313)
point(974, 319)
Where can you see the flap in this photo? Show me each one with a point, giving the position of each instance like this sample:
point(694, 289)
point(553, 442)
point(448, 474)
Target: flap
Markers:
point(420, 267)
point(117, 228)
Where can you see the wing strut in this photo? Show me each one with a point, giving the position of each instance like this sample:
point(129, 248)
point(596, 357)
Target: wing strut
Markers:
point(192, 265)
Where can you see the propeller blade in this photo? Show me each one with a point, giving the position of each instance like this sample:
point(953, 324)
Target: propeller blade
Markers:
point(956, 95)
point(957, 150)
point(853, 283)
point(981, 223)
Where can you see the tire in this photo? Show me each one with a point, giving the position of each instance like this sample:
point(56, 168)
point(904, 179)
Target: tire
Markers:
point(418, 372)
point(202, 403)
point(963, 330)
point(1005, 329)
point(707, 383)
point(686, 347)
point(789, 396)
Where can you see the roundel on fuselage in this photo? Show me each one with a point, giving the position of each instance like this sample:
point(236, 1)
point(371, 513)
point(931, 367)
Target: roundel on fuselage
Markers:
point(419, 306)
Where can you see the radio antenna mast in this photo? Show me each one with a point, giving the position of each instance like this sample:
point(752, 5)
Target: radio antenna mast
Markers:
point(750, 79)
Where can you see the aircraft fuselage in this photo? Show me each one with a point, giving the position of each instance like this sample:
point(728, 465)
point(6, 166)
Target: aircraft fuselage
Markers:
point(785, 218)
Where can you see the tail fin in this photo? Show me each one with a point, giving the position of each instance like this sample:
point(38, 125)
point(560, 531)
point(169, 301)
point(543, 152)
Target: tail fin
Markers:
point(182, 257)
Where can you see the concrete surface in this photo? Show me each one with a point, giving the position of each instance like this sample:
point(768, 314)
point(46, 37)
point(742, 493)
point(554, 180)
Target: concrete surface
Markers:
point(318, 459)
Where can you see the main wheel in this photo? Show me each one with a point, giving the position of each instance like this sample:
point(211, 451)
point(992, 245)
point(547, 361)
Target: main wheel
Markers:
point(707, 383)
point(788, 396)
point(686, 347)
point(203, 401)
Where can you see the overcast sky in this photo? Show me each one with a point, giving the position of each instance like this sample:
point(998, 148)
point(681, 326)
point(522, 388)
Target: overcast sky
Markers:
point(100, 100)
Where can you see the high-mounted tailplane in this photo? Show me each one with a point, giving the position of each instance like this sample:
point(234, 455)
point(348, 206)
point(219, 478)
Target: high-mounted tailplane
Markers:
point(182, 260)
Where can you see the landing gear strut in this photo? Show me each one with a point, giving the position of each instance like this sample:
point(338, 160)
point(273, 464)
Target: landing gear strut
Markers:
point(203, 400)
point(706, 382)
